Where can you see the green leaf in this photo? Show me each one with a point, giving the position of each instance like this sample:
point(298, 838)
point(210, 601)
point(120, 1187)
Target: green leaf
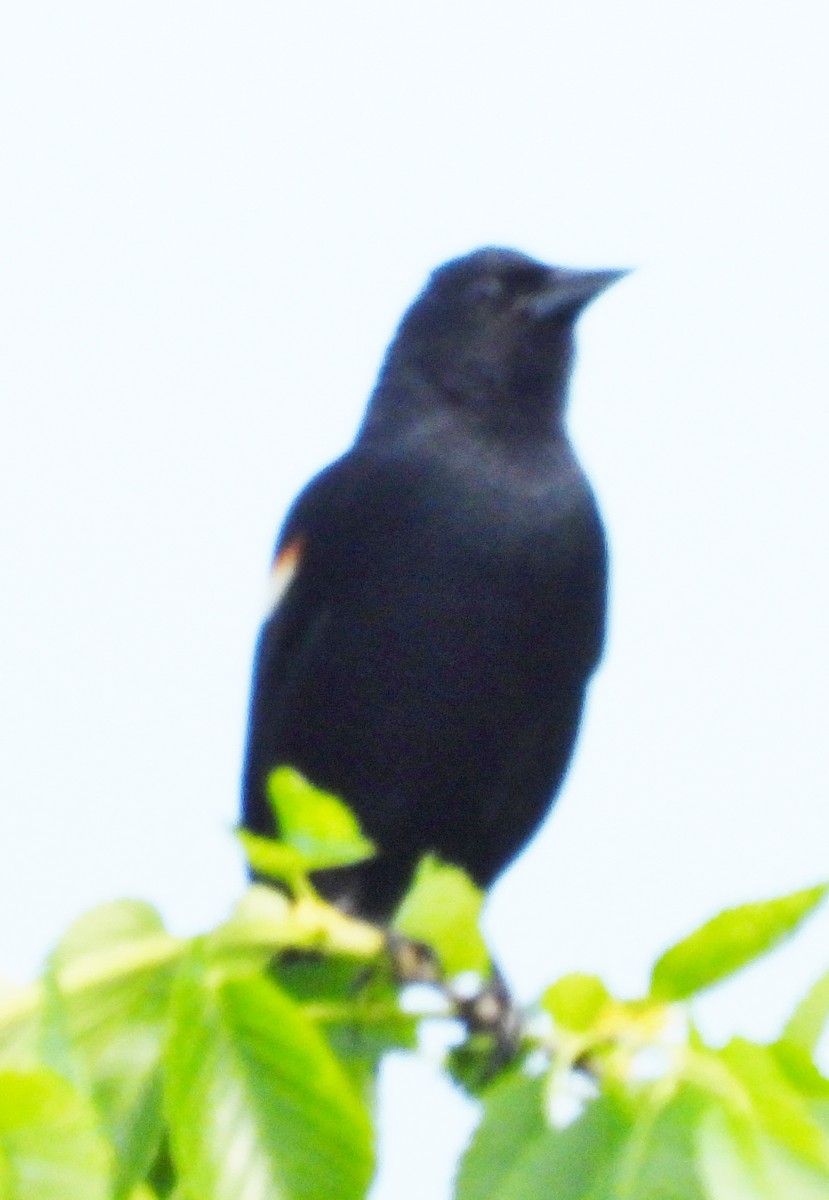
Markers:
point(316, 824)
point(20, 1029)
point(442, 908)
point(738, 1162)
point(576, 1001)
point(265, 922)
point(658, 1160)
point(50, 1147)
point(112, 1024)
point(357, 1009)
point(274, 860)
point(800, 1070)
point(99, 1018)
point(730, 1165)
point(258, 927)
point(575, 1163)
point(107, 927)
point(777, 1107)
point(257, 1104)
point(513, 1122)
point(790, 1178)
point(361, 1044)
point(609, 1153)
point(728, 942)
point(54, 1039)
point(808, 1021)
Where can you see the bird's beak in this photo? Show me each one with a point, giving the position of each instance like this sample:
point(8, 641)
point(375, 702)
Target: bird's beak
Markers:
point(571, 291)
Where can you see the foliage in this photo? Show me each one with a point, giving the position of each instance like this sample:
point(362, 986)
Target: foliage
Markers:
point(240, 1063)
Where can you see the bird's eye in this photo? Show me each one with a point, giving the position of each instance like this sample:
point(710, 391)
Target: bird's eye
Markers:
point(489, 288)
point(525, 279)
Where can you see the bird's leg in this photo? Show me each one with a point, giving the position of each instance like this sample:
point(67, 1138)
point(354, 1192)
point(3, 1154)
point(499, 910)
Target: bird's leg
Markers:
point(492, 1011)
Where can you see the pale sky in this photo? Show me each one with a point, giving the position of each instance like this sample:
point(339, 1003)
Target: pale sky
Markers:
point(211, 218)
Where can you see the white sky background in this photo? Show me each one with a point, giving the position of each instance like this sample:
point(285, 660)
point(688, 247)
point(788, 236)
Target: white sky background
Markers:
point(211, 218)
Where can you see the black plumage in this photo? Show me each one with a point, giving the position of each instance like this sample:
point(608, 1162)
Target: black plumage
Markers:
point(444, 588)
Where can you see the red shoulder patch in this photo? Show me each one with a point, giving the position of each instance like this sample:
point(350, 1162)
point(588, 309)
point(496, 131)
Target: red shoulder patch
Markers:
point(285, 566)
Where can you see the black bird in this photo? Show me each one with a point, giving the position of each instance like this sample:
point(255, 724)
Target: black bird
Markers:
point(442, 588)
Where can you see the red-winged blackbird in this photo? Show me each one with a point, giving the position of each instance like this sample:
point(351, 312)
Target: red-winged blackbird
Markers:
point(441, 588)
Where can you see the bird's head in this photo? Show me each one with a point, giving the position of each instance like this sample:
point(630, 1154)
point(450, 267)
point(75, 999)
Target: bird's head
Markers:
point(492, 333)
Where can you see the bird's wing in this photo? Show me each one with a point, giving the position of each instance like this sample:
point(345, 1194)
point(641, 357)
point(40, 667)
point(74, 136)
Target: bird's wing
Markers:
point(311, 560)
